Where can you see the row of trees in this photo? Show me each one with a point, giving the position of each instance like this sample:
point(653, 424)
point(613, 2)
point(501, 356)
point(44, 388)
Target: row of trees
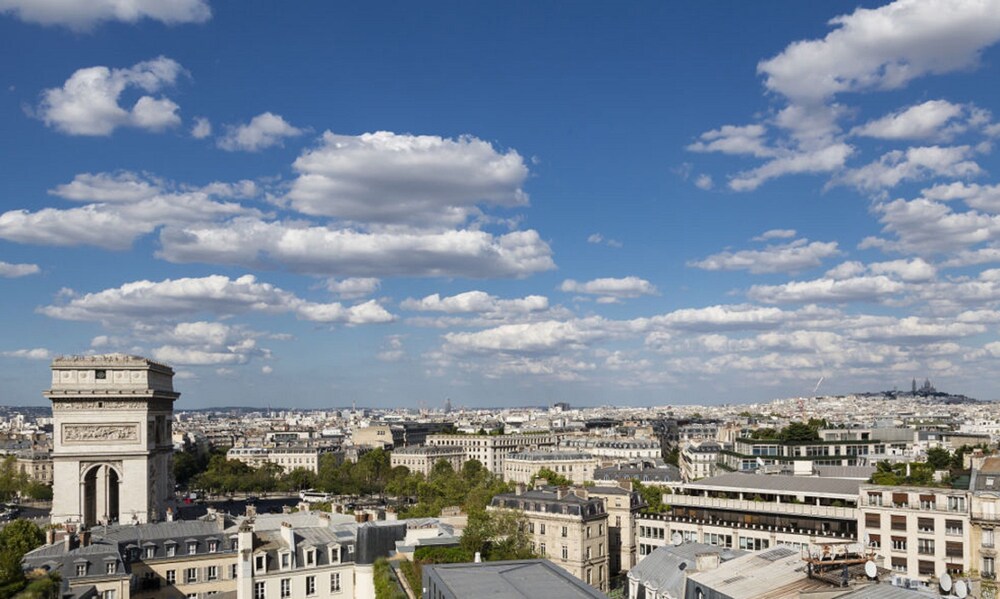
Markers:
point(795, 432)
point(14, 483)
point(16, 539)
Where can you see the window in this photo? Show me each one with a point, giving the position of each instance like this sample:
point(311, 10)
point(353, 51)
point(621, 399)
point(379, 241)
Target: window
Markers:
point(261, 563)
point(192, 548)
point(987, 537)
point(109, 594)
point(600, 529)
point(600, 550)
point(335, 582)
point(588, 552)
point(875, 541)
point(925, 546)
point(286, 587)
point(310, 585)
point(565, 552)
point(875, 499)
point(541, 549)
point(212, 573)
point(171, 576)
point(953, 527)
point(233, 570)
point(531, 527)
point(286, 561)
point(873, 520)
point(989, 567)
point(110, 567)
point(565, 532)
point(589, 577)
point(334, 555)
point(925, 568)
point(259, 590)
point(600, 573)
point(954, 549)
point(928, 502)
point(150, 552)
point(541, 528)
point(588, 532)
point(81, 569)
point(898, 522)
point(925, 524)
point(171, 550)
point(899, 564)
point(213, 546)
point(956, 504)
point(190, 575)
point(310, 557)
point(899, 543)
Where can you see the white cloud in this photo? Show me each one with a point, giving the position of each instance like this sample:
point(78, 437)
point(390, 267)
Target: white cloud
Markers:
point(536, 337)
point(392, 350)
point(913, 329)
point(822, 160)
point(353, 288)
point(598, 239)
point(347, 252)
point(775, 234)
point(611, 289)
point(980, 197)
point(82, 15)
point(266, 369)
point(926, 227)
point(88, 103)
point(37, 353)
point(13, 271)
point(704, 181)
point(125, 203)
point(791, 257)
point(884, 48)
point(476, 302)
point(734, 139)
point(921, 121)
point(915, 270)
point(914, 164)
point(425, 180)
point(861, 288)
point(733, 317)
point(215, 294)
point(202, 128)
point(263, 131)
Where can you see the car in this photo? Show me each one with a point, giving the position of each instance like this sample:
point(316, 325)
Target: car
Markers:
point(251, 499)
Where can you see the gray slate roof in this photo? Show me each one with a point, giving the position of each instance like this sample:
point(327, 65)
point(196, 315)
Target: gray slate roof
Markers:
point(667, 567)
point(512, 580)
point(778, 483)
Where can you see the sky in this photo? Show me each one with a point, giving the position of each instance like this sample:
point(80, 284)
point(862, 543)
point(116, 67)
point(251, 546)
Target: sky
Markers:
point(312, 204)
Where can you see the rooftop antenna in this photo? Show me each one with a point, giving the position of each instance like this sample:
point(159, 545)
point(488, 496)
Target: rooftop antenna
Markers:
point(871, 570)
point(676, 539)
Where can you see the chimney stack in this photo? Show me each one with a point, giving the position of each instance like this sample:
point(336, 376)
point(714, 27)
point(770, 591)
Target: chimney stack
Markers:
point(84, 538)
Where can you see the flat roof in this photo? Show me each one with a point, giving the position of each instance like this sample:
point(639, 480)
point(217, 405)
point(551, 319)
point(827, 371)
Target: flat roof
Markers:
point(779, 483)
point(516, 579)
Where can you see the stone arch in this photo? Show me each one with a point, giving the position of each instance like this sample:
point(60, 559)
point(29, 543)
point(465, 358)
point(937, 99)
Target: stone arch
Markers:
point(100, 486)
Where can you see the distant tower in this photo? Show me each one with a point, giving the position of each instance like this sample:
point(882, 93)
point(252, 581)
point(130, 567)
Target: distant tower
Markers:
point(112, 433)
point(914, 386)
point(447, 406)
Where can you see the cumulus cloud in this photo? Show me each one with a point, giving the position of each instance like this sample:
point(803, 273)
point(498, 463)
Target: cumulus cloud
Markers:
point(704, 181)
point(610, 290)
point(202, 128)
point(791, 257)
point(88, 102)
point(723, 317)
point(775, 234)
point(353, 288)
point(913, 164)
point(916, 330)
point(13, 271)
point(981, 197)
point(37, 353)
point(860, 288)
point(348, 252)
point(215, 294)
point(734, 139)
point(925, 227)
point(390, 178)
point(537, 337)
point(823, 160)
point(126, 203)
point(83, 15)
point(476, 302)
point(922, 121)
point(263, 131)
point(599, 239)
point(884, 48)
point(392, 350)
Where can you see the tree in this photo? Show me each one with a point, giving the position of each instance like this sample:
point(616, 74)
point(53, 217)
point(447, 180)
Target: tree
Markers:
point(798, 432)
point(652, 495)
point(552, 477)
point(497, 535)
point(16, 539)
point(939, 458)
point(673, 456)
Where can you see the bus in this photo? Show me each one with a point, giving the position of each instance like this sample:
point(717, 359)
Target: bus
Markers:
point(314, 496)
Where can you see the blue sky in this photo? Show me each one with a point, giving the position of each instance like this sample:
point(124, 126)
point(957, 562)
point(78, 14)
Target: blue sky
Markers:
point(502, 203)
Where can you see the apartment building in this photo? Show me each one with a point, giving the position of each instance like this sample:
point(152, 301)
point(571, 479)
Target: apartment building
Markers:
point(623, 504)
point(491, 450)
point(699, 460)
point(836, 447)
point(36, 465)
point(616, 449)
point(577, 466)
point(919, 532)
point(381, 435)
point(984, 518)
point(289, 458)
point(568, 527)
point(422, 459)
point(754, 512)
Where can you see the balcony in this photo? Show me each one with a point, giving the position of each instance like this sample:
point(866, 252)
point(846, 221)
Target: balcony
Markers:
point(770, 507)
point(987, 517)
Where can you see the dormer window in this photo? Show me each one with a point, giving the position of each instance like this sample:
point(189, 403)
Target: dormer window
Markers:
point(150, 552)
point(310, 557)
point(111, 567)
point(260, 564)
point(192, 548)
point(171, 550)
point(213, 546)
point(286, 561)
point(334, 555)
point(81, 569)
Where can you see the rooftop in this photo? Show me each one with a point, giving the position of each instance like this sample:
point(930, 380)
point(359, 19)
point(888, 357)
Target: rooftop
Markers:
point(511, 580)
point(777, 483)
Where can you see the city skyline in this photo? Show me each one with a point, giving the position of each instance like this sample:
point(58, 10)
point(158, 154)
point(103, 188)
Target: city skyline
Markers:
point(504, 205)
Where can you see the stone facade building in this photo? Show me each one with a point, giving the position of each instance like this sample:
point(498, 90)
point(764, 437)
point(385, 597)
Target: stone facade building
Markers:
point(577, 466)
point(112, 419)
point(423, 459)
point(491, 450)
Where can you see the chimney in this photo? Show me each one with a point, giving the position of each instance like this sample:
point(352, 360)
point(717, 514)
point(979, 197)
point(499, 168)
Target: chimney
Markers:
point(581, 492)
point(286, 509)
point(50, 536)
point(170, 514)
point(288, 536)
point(84, 538)
point(69, 543)
point(520, 488)
point(324, 519)
point(251, 511)
point(561, 492)
point(706, 561)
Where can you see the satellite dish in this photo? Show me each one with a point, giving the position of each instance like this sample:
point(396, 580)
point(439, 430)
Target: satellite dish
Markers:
point(871, 570)
point(961, 590)
point(945, 582)
point(676, 539)
point(868, 540)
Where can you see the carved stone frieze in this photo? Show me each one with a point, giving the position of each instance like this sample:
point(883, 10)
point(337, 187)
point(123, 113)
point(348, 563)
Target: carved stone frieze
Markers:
point(100, 433)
